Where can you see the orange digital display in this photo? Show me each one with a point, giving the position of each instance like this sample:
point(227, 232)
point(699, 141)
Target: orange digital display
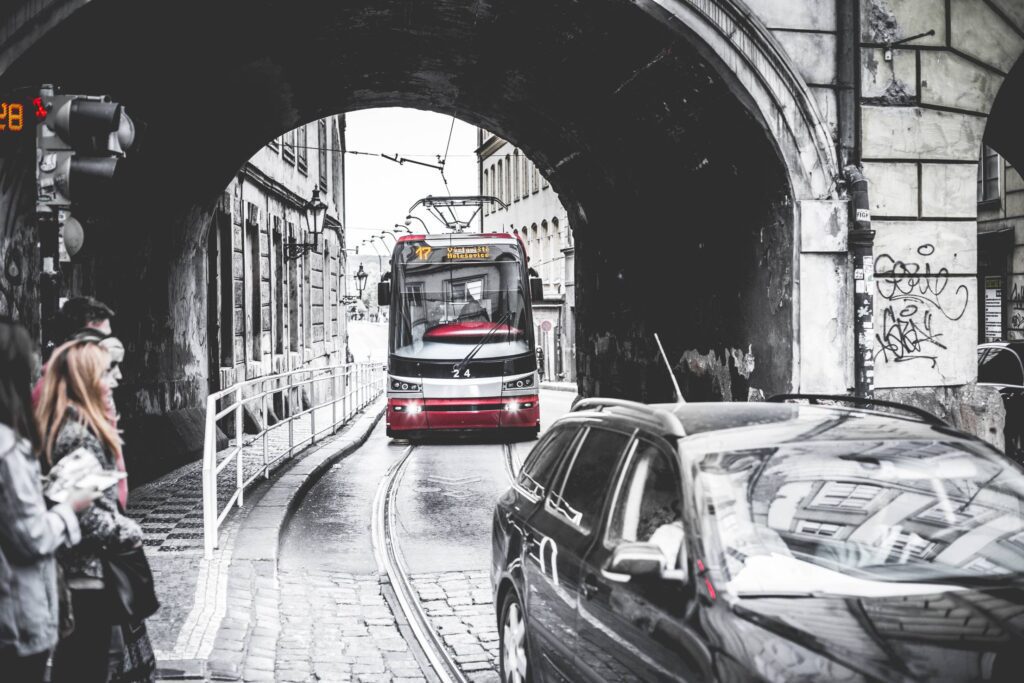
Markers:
point(12, 116)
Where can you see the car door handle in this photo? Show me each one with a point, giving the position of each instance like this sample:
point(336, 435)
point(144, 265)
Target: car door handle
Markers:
point(589, 587)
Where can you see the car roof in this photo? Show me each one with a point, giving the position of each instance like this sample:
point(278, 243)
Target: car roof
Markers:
point(766, 423)
point(1017, 346)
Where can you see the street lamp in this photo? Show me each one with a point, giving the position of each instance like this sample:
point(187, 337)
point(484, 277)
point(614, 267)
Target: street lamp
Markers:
point(402, 227)
point(410, 218)
point(388, 232)
point(361, 277)
point(315, 210)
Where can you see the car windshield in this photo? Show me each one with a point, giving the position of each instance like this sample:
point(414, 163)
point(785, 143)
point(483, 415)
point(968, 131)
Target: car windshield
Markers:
point(868, 519)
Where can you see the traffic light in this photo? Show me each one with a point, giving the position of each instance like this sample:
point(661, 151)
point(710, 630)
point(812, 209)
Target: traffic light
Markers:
point(79, 145)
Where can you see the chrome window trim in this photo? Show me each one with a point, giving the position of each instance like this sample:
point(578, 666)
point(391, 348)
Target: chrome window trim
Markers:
point(567, 470)
point(672, 457)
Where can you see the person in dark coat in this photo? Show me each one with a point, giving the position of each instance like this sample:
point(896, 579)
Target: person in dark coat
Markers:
point(29, 533)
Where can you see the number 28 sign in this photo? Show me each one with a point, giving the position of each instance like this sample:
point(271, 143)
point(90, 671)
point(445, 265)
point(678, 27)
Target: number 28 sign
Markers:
point(12, 114)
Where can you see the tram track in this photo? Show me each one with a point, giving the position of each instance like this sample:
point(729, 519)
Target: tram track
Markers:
point(392, 565)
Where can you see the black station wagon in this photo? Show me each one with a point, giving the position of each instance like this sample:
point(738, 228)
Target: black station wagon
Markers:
point(759, 541)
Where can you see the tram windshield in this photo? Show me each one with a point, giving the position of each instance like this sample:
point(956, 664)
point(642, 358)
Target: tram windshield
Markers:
point(450, 299)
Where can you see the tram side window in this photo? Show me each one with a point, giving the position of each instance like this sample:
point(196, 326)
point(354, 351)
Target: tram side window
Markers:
point(542, 462)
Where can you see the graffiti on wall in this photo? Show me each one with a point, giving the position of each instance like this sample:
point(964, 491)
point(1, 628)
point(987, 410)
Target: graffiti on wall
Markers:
point(1015, 328)
point(916, 300)
point(18, 250)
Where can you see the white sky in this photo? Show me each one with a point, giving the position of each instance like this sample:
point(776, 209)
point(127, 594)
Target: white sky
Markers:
point(379, 192)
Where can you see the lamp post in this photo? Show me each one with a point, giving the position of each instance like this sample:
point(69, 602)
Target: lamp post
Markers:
point(315, 210)
point(361, 277)
point(388, 232)
point(399, 226)
point(410, 218)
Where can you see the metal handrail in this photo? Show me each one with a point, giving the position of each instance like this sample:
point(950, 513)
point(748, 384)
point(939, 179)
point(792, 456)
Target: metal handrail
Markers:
point(353, 386)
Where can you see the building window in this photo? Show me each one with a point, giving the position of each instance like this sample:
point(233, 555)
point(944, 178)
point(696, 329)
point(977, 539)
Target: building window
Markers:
point(294, 294)
point(524, 176)
point(483, 190)
point(515, 177)
point(811, 528)
point(275, 145)
point(303, 151)
point(288, 147)
point(507, 196)
point(255, 313)
point(536, 179)
point(837, 494)
point(501, 181)
point(321, 153)
point(988, 175)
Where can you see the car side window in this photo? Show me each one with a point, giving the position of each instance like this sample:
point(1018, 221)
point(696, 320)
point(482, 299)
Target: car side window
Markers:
point(1001, 366)
point(541, 464)
point(586, 481)
point(649, 502)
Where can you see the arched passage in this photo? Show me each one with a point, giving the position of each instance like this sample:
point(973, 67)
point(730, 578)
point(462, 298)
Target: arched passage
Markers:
point(677, 136)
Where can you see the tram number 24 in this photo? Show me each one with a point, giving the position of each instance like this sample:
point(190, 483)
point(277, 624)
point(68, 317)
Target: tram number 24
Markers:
point(455, 372)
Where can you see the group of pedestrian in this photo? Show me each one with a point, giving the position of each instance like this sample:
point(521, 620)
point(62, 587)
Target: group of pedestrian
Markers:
point(66, 589)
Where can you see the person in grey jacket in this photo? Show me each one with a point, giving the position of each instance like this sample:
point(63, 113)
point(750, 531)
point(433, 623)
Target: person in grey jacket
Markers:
point(29, 533)
point(73, 414)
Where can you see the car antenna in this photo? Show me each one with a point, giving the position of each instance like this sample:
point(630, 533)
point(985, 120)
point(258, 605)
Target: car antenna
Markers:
point(672, 376)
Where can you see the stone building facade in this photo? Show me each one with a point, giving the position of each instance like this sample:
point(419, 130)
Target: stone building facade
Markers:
point(270, 311)
point(535, 214)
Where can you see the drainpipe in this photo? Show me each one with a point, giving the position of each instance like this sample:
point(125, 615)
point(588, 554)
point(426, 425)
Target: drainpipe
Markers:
point(861, 238)
point(861, 243)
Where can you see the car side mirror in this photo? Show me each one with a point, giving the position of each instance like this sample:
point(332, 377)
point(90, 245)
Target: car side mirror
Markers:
point(536, 289)
point(383, 293)
point(630, 560)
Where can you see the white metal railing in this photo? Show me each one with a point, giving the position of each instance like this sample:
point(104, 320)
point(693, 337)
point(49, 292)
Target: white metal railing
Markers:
point(342, 390)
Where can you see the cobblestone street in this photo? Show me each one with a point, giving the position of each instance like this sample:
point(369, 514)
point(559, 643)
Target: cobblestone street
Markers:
point(461, 609)
point(338, 627)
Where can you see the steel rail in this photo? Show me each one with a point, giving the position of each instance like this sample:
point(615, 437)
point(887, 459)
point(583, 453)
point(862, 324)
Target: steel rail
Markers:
point(392, 565)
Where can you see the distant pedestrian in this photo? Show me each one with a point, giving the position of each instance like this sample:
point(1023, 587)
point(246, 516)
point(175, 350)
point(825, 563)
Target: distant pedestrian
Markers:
point(29, 533)
point(81, 317)
point(83, 313)
point(73, 413)
point(540, 362)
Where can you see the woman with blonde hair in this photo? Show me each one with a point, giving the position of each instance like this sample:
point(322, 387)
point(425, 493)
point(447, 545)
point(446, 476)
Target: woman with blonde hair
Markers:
point(30, 534)
point(72, 414)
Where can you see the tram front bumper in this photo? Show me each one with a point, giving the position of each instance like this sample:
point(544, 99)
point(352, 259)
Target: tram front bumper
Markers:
point(435, 414)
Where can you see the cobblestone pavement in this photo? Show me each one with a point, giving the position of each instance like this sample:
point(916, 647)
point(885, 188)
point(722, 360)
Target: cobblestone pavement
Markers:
point(337, 627)
point(461, 609)
point(194, 592)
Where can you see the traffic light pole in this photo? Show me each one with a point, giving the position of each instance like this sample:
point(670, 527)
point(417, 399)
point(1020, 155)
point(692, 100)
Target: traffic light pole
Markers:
point(50, 280)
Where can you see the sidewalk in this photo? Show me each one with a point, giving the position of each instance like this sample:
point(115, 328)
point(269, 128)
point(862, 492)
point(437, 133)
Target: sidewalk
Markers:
point(560, 386)
point(203, 614)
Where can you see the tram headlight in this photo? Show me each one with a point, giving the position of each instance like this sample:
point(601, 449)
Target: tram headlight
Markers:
point(512, 406)
point(414, 409)
point(521, 383)
point(399, 385)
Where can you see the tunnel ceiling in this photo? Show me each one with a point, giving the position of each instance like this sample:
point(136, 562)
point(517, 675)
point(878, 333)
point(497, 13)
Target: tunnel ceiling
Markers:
point(598, 85)
point(677, 196)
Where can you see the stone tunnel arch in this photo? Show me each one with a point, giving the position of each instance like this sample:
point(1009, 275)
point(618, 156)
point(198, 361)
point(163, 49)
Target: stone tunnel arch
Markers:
point(650, 118)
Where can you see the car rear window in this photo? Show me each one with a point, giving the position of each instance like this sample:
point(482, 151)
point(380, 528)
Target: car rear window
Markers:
point(541, 464)
point(586, 482)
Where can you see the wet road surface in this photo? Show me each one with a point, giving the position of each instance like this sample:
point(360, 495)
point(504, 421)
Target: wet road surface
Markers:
point(445, 501)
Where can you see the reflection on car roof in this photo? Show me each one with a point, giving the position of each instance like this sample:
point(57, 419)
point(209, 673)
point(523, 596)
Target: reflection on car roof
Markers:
point(787, 422)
